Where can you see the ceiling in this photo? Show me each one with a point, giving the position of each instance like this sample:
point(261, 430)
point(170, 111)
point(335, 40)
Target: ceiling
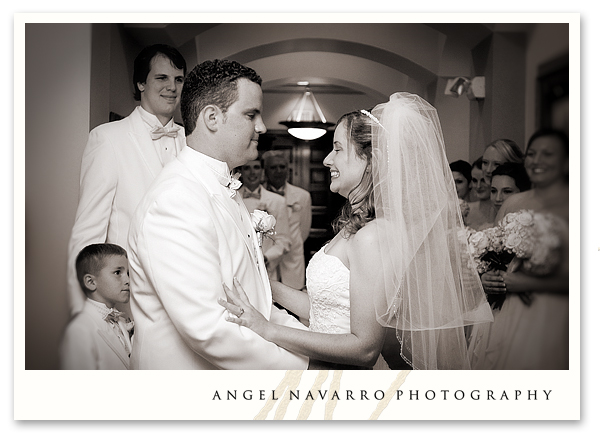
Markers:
point(347, 64)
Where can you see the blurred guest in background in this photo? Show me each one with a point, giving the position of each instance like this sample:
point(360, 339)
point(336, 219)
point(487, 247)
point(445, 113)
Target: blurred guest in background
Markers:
point(481, 213)
point(533, 333)
point(507, 180)
point(292, 265)
point(498, 152)
point(461, 172)
point(257, 197)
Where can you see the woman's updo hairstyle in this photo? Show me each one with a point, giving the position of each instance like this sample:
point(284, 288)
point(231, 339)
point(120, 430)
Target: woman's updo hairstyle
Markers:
point(360, 207)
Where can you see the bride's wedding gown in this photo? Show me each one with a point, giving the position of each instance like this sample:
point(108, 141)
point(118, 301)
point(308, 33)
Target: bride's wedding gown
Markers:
point(328, 285)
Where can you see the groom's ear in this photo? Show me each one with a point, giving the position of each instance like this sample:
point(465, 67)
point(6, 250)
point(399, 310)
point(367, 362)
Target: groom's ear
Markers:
point(210, 116)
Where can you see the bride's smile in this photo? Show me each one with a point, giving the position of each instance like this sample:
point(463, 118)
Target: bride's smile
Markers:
point(345, 166)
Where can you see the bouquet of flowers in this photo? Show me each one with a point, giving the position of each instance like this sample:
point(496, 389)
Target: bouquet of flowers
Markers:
point(524, 238)
point(534, 239)
point(263, 223)
point(486, 247)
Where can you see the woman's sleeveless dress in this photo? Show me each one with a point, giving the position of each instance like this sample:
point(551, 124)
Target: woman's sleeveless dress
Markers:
point(524, 337)
point(328, 285)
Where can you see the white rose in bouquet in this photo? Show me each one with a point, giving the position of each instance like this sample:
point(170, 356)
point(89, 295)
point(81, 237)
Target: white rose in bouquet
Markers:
point(525, 218)
point(512, 242)
point(496, 237)
point(479, 242)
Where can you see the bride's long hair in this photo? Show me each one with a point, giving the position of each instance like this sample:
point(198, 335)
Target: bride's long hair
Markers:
point(360, 206)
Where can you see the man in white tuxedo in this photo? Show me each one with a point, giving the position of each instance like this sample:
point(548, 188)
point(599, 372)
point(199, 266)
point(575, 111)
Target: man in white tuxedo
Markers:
point(191, 234)
point(292, 266)
point(122, 158)
point(256, 197)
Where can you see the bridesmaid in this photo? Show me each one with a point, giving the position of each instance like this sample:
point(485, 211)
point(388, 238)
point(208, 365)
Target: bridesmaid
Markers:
point(481, 213)
point(461, 172)
point(507, 180)
point(535, 335)
point(498, 152)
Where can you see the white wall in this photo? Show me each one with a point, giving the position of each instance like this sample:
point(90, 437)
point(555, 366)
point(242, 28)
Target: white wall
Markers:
point(58, 60)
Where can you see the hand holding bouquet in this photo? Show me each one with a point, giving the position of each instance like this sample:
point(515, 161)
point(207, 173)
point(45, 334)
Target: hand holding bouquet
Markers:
point(522, 239)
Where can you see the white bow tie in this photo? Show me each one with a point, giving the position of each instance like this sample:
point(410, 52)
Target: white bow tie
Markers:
point(232, 184)
point(159, 132)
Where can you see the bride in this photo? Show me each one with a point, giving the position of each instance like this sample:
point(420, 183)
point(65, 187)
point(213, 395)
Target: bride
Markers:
point(397, 261)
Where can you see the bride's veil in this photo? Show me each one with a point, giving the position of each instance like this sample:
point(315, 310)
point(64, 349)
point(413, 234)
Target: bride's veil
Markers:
point(432, 290)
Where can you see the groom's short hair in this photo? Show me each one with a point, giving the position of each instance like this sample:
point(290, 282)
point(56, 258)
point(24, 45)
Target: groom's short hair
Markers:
point(212, 83)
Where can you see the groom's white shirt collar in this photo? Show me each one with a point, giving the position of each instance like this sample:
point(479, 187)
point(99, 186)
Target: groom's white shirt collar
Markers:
point(219, 168)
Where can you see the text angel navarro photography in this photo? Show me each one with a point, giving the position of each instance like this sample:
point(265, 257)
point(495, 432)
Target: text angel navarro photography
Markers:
point(378, 395)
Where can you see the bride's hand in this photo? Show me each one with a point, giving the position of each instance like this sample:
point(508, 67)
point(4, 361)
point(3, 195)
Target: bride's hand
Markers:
point(241, 310)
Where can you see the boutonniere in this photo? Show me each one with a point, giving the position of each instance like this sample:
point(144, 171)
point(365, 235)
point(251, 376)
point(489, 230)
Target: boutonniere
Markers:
point(263, 223)
point(296, 207)
point(129, 325)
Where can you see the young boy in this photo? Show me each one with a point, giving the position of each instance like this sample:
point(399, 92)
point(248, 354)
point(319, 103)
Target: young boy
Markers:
point(99, 337)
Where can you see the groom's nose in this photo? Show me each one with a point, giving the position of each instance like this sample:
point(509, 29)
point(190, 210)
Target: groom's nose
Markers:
point(260, 127)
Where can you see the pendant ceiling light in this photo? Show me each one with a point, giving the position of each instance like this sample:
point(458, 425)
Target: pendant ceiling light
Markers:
point(306, 121)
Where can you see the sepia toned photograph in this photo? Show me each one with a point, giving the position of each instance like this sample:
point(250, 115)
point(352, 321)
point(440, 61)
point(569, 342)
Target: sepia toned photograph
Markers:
point(296, 218)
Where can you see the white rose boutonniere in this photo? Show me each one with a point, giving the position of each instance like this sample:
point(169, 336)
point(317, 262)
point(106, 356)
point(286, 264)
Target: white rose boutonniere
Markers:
point(296, 207)
point(263, 223)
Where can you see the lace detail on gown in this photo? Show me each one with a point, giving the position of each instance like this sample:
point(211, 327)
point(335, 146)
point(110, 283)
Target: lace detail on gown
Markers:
point(327, 282)
point(328, 285)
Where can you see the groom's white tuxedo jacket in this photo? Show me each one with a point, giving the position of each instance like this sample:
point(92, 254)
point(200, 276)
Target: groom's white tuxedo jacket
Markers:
point(187, 237)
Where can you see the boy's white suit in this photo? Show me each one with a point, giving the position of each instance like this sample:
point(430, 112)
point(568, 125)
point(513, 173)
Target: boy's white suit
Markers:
point(119, 163)
point(186, 238)
point(90, 343)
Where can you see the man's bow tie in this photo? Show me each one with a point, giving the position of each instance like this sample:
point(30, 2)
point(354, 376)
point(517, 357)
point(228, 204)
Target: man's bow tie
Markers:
point(279, 191)
point(113, 316)
point(121, 327)
point(233, 184)
point(159, 132)
point(250, 194)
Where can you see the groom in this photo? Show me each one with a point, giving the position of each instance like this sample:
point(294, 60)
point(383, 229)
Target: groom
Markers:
point(191, 234)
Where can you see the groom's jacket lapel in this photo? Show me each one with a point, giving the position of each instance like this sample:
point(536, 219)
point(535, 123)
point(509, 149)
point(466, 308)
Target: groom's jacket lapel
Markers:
point(237, 216)
point(207, 179)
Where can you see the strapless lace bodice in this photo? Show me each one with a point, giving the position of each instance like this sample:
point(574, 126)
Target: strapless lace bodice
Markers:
point(328, 285)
